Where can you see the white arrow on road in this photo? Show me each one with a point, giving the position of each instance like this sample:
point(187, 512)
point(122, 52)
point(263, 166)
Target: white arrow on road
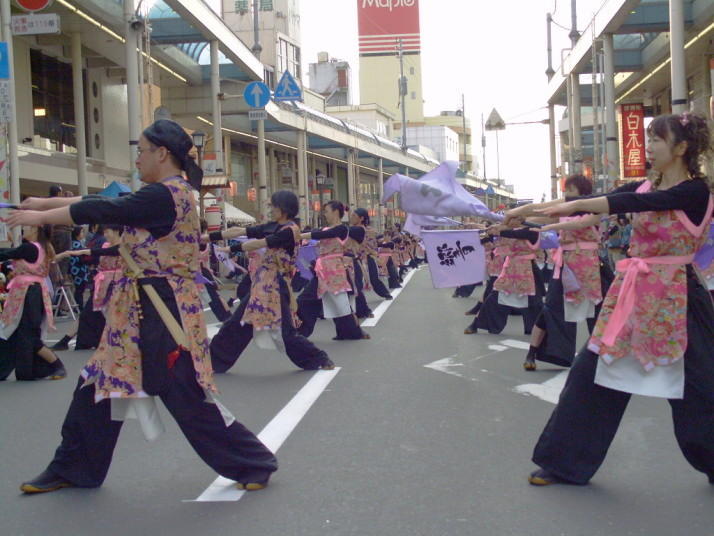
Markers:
point(549, 390)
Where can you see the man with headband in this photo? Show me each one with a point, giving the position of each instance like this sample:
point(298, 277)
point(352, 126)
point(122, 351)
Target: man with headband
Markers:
point(155, 342)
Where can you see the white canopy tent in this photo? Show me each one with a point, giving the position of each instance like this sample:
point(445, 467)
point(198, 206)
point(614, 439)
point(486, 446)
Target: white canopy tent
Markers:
point(233, 214)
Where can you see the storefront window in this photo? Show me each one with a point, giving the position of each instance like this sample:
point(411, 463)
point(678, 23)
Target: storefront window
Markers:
point(53, 102)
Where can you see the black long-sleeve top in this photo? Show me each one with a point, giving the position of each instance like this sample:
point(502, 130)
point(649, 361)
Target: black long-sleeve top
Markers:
point(95, 253)
point(357, 233)
point(276, 235)
point(151, 208)
point(521, 234)
point(27, 251)
point(689, 196)
point(338, 231)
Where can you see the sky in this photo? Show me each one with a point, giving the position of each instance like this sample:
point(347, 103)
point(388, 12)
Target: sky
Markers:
point(492, 52)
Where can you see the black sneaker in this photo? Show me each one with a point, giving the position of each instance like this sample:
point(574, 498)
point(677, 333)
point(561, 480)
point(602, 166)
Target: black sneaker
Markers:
point(45, 482)
point(541, 477)
point(327, 365)
point(59, 374)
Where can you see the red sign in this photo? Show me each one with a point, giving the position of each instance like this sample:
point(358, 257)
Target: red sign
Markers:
point(381, 23)
point(252, 194)
point(33, 5)
point(633, 140)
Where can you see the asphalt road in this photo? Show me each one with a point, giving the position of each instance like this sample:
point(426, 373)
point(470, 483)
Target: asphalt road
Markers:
point(390, 447)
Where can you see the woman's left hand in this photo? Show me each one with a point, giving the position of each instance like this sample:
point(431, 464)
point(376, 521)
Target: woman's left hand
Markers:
point(559, 210)
point(25, 217)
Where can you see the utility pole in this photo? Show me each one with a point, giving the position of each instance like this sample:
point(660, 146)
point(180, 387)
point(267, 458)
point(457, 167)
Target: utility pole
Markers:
point(132, 26)
point(402, 93)
point(463, 120)
point(595, 111)
point(256, 49)
point(483, 148)
point(549, 72)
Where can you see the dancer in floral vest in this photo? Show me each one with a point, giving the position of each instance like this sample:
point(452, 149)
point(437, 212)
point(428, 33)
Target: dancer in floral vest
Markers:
point(152, 307)
point(335, 275)
point(370, 252)
point(269, 312)
point(654, 334)
point(519, 285)
point(28, 311)
point(110, 268)
point(577, 286)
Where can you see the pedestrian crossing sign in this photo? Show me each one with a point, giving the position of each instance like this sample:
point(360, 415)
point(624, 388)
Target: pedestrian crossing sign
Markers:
point(287, 89)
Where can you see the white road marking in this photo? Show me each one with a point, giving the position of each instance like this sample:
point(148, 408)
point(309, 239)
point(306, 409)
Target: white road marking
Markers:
point(382, 307)
point(274, 433)
point(497, 347)
point(548, 390)
point(513, 343)
point(443, 365)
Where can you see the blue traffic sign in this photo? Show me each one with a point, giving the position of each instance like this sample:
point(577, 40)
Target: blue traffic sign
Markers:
point(256, 94)
point(287, 89)
point(4, 62)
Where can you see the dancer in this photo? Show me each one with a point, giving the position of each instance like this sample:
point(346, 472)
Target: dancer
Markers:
point(155, 340)
point(518, 287)
point(578, 283)
point(110, 268)
point(370, 253)
point(268, 313)
point(27, 311)
point(654, 334)
point(356, 253)
point(335, 274)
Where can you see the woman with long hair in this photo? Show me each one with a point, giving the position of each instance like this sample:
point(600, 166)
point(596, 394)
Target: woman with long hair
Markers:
point(654, 333)
point(28, 310)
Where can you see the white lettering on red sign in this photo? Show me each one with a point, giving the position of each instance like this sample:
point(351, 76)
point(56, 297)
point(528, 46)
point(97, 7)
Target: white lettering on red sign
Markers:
point(389, 4)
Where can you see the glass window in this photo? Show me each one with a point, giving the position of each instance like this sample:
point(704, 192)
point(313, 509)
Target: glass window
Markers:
point(53, 101)
point(242, 5)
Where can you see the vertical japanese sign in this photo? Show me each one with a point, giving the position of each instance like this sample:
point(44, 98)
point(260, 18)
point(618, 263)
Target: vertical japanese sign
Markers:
point(633, 140)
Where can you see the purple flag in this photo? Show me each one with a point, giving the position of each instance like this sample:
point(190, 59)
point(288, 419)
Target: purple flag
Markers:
point(306, 254)
point(455, 257)
point(436, 194)
point(705, 255)
point(549, 240)
point(415, 222)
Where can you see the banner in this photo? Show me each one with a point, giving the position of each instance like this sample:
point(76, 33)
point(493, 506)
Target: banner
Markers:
point(415, 222)
point(633, 140)
point(436, 194)
point(455, 257)
point(306, 254)
point(705, 255)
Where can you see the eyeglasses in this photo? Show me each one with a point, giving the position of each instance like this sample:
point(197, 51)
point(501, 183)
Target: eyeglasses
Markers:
point(140, 151)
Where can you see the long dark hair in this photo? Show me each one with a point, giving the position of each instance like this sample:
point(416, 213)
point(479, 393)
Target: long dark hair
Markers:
point(684, 127)
point(44, 237)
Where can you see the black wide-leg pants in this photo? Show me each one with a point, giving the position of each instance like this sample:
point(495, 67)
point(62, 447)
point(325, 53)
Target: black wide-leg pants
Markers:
point(379, 288)
point(233, 337)
point(578, 435)
point(89, 435)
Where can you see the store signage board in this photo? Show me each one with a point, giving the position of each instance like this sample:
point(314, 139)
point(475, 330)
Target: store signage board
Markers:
point(36, 24)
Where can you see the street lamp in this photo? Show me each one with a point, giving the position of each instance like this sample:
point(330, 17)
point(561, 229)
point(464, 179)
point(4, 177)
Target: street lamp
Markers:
point(198, 140)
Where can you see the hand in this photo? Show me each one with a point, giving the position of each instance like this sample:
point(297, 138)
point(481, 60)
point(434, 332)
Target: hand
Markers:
point(26, 217)
point(549, 227)
point(62, 255)
point(559, 210)
point(34, 203)
point(204, 238)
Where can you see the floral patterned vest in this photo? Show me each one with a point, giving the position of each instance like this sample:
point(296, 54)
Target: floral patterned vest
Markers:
point(516, 276)
point(109, 270)
point(331, 268)
point(654, 329)
point(580, 254)
point(25, 275)
point(115, 367)
point(266, 267)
